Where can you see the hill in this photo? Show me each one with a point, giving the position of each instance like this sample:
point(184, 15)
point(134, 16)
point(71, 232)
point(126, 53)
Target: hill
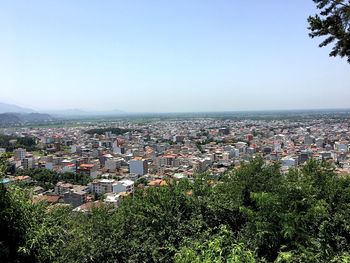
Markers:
point(252, 214)
point(4, 108)
point(21, 118)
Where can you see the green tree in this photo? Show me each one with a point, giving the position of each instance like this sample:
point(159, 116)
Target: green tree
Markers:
point(28, 143)
point(17, 217)
point(333, 23)
point(253, 214)
point(48, 178)
point(219, 248)
point(4, 164)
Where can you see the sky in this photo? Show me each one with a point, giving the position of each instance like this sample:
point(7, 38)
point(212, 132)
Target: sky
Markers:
point(166, 56)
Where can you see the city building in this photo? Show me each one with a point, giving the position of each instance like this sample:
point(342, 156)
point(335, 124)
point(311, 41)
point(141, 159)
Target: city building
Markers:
point(138, 166)
point(123, 186)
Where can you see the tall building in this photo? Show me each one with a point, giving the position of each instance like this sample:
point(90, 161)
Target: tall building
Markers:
point(88, 169)
point(224, 131)
point(138, 166)
point(309, 139)
point(112, 164)
point(168, 160)
point(178, 138)
point(20, 154)
point(28, 163)
point(341, 146)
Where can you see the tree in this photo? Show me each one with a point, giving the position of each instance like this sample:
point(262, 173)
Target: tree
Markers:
point(252, 214)
point(48, 178)
point(4, 164)
point(218, 248)
point(333, 22)
point(12, 142)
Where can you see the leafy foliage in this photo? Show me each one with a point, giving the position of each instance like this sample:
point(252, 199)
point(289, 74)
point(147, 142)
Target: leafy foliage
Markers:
point(27, 143)
point(48, 178)
point(333, 22)
point(218, 248)
point(4, 164)
point(18, 217)
point(253, 214)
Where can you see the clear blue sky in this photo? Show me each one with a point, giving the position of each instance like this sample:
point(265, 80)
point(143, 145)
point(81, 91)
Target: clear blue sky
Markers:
point(166, 56)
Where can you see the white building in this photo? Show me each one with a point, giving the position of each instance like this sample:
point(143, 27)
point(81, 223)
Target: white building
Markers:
point(28, 163)
point(168, 160)
point(49, 165)
point(113, 199)
point(319, 142)
point(112, 164)
point(309, 139)
point(250, 150)
point(102, 186)
point(70, 168)
point(61, 188)
point(20, 154)
point(73, 149)
point(178, 138)
point(123, 186)
point(341, 146)
point(225, 156)
point(241, 146)
point(277, 147)
point(234, 153)
point(138, 166)
point(288, 161)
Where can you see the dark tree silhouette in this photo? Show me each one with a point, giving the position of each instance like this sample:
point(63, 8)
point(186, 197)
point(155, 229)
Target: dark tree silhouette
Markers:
point(333, 23)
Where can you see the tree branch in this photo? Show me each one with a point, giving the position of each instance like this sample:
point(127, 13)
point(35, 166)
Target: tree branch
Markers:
point(338, 2)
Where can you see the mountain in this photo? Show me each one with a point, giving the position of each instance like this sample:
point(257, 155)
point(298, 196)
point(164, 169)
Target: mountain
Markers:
point(22, 118)
point(9, 119)
point(4, 107)
point(35, 117)
point(12, 108)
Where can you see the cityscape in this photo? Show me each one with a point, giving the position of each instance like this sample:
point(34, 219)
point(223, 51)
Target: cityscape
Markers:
point(187, 131)
point(117, 156)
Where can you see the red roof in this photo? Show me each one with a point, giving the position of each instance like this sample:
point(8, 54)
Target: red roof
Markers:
point(169, 156)
point(87, 165)
point(52, 199)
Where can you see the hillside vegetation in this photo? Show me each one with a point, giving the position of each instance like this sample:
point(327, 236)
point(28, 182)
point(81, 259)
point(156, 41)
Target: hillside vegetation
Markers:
point(11, 143)
point(253, 214)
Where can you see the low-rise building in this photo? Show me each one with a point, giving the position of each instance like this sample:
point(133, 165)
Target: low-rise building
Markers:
point(75, 197)
point(101, 186)
point(123, 186)
point(88, 169)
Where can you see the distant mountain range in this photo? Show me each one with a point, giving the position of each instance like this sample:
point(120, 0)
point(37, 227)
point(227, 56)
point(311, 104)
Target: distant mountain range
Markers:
point(9, 113)
point(15, 118)
point(4, 108)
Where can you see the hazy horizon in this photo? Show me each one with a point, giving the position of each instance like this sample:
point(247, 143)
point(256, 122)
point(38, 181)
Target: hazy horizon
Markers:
point(150, 56)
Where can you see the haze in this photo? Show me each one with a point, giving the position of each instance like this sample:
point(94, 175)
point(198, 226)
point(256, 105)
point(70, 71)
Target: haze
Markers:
point(166, 56)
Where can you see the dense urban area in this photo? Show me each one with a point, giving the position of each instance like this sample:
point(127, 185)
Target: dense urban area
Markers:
point(118, 142)
point(164, 181)
point(85, 165)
